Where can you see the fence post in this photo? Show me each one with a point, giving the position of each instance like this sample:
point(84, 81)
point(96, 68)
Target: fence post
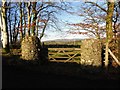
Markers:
point(119, 49)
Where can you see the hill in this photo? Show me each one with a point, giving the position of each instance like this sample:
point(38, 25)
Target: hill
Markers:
point(63, 42)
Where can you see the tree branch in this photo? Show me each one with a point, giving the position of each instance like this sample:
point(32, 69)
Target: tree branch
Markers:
point(95, 4)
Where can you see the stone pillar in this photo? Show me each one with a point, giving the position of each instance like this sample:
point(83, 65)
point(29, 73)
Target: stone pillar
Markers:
point(91, 50)
point(30, 48)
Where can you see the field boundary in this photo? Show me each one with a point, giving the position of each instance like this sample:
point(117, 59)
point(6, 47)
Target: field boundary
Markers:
point(64, 54)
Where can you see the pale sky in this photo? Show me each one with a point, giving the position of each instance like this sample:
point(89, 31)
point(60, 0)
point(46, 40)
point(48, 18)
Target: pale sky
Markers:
point(52, 34)
point(65, 17)
point(63, 34)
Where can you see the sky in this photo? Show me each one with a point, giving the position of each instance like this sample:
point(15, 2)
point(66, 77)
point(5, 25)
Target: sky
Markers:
point(55, 0)
point(69, 18)
point(52, 34)
point(65, 17)
point(63, 33)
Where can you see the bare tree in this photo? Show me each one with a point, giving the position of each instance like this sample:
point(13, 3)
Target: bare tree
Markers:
point(116, 19)
point(9, 22)
point(15, 28)
point(34, 17)
point(4, 30)
point(109, 30)
point(39, 16)
point(21, 21)
point(29, 16)
point(93, 21)
point(93, 15)
point(24, 18)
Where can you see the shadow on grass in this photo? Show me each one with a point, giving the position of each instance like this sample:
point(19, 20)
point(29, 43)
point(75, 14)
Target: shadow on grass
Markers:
point(18, 73)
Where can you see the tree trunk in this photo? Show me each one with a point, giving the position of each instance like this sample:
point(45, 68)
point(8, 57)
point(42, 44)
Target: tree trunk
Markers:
point(37, 27)
point(9, 20)
point(29, 18)
point(4, 31)
point(0, 23)
point(21, 14)
point(106, 55)
point(24, 20)
point(119, 48)
point(109, 31)
point(34, 18)
point(15, 31)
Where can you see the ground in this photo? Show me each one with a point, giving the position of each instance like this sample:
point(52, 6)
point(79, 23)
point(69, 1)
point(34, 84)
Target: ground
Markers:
point(19, 74)
point(23, 79)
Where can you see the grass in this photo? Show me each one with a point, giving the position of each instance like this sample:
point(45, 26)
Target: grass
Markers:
point(23, 74)
point(69, 68)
